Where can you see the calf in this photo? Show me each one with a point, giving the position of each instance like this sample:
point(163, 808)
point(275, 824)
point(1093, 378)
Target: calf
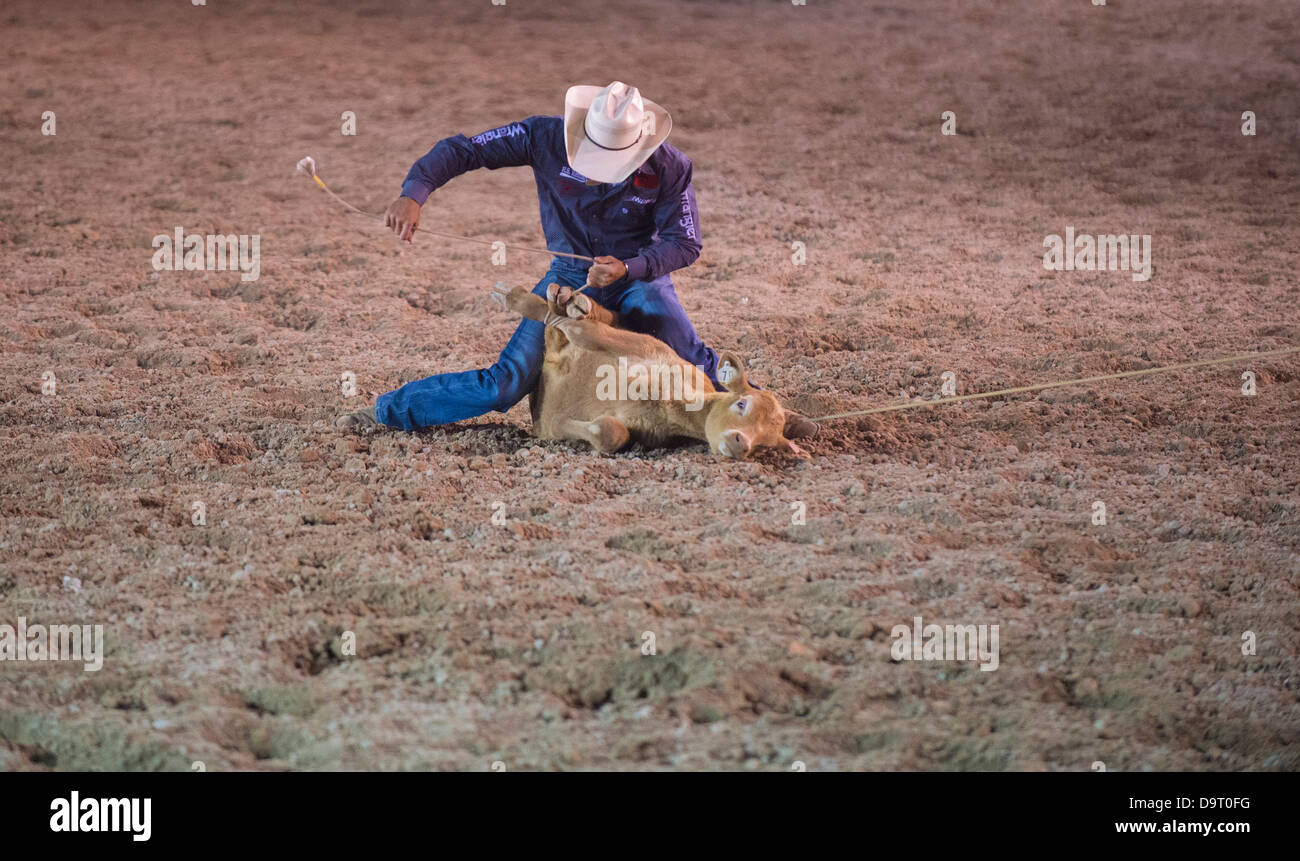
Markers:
point(584, 392)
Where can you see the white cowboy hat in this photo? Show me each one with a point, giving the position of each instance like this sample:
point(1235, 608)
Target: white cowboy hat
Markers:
point(610, 131)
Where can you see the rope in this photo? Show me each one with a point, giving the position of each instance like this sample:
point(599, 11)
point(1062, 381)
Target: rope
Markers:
point(911, 405)
point(308, 166)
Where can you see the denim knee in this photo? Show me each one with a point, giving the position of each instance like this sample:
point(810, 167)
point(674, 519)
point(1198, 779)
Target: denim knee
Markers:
point(654, 293)
point(514, 375)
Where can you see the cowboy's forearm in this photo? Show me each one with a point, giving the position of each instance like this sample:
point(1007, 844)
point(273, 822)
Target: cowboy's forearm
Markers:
point(436, 168)
point(658, 261)
point(506, 146)
point(679, 245)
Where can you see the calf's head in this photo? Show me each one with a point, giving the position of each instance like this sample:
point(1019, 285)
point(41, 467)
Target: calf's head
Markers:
point(745, 418)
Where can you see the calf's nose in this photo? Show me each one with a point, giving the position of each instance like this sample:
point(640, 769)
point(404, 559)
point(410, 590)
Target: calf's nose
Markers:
point(733, 443)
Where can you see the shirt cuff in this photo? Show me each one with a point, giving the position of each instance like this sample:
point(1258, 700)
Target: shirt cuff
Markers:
point(416, 190)
point(637, 268)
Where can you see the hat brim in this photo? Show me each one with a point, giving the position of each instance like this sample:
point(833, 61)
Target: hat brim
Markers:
point(595, 162)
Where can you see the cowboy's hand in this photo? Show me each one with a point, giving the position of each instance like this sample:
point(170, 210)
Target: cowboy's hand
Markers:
point(606, 271)
point(403, 216)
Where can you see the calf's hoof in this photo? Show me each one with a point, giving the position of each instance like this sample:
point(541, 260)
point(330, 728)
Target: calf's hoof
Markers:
point(568, 301)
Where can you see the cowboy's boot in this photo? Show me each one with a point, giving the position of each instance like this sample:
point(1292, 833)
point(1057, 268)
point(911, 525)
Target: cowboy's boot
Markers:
point(798, 427)
point(362, 421)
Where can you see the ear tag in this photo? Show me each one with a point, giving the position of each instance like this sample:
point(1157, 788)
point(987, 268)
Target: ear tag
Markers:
point(726, 373)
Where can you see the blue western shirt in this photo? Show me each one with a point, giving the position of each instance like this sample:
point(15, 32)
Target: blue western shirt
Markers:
point(649, 221)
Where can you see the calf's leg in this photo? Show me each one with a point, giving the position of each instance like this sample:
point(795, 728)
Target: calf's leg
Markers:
point(570, 303)
point(522, 302)
point(589, 335)
point(606, 434)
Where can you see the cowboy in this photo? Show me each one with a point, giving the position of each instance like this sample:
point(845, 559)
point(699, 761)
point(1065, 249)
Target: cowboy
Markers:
point(609, 187)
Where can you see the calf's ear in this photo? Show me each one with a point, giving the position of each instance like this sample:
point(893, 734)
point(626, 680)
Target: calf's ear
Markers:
point(731, 373)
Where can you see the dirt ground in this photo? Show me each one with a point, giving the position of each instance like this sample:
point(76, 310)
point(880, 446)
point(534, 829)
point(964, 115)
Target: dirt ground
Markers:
point(479, 642)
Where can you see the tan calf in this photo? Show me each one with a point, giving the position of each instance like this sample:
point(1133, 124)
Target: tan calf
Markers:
point(656, 396)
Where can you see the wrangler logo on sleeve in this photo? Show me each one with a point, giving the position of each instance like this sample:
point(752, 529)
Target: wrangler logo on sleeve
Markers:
point(687, 221)
point(503, 132)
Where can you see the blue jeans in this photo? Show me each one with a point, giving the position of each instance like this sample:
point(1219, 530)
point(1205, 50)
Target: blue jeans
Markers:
point(651, 307)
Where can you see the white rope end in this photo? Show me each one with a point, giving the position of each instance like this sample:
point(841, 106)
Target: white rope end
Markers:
point(307, 166)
